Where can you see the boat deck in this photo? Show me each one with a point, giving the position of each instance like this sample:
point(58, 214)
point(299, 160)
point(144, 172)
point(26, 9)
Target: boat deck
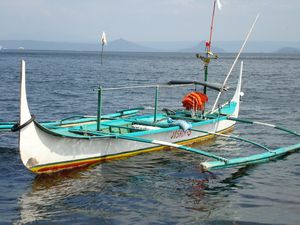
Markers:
point(133, 125)
point(122, 122)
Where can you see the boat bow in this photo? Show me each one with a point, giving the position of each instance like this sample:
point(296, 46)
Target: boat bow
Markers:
point(27, 132)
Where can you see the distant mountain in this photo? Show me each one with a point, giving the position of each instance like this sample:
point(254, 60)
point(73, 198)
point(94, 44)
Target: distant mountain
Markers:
point(201, 48)
point(168, 46)
point(218, 46)
point(127, 46)
point(256, 46)
point(117, 45)
point(289, 50)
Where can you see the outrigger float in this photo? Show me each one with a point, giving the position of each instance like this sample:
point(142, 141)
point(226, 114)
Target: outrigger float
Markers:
point(79, 141)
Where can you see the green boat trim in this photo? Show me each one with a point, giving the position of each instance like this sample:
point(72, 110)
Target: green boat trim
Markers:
point(71, 121)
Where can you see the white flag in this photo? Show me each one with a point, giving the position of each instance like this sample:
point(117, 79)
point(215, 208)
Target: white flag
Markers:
point(103, 39)
point(219, 4)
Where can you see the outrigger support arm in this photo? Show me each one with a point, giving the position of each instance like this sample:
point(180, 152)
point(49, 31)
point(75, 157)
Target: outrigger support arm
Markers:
point(233, 137)
point(257, 123)
point(263, 124)
point(169, 144)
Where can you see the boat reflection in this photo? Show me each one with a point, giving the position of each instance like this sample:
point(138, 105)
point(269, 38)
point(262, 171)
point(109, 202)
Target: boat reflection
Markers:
point(49, 191)
point(141, 181)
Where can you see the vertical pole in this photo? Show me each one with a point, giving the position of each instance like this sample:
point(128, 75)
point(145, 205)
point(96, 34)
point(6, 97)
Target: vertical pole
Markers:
point(205, 79)
point(208, 46)
point(156, 103)
point(205, 76)
point(102, 53)
point(212, 24)
point(99, 111)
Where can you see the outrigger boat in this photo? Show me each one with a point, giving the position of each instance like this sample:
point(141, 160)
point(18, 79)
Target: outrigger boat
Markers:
point(53, 146)
point(69, 143)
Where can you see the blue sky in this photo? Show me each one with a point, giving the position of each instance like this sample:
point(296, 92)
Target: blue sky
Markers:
point(145, 20)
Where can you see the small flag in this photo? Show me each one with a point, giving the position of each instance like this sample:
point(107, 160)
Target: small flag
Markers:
point(103, 39)
point(219, 4)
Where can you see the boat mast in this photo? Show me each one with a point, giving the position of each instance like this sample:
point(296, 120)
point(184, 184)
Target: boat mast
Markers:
point(208, 54)
point(207, 46)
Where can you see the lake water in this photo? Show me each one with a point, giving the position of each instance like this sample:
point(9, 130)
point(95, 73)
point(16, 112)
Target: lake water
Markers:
point(165, 187)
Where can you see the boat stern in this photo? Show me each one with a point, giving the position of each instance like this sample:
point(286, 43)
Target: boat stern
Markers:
point(238, 93)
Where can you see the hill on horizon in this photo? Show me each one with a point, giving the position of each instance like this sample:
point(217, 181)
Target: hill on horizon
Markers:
point(201, 48)
point(289, 50)
point(128, 46)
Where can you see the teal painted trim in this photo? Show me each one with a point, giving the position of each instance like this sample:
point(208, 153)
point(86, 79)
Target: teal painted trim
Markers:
point(6, 126)
point(229, 108)
point(61, 132)
point(51, 124)
point(71, 117)
point(6, 123)
point(253, 159)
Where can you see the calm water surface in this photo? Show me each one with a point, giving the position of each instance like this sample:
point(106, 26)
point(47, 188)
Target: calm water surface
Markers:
point(165, 187)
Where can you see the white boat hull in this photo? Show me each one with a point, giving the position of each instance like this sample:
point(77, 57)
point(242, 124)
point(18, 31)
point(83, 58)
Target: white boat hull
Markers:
point(41, 151)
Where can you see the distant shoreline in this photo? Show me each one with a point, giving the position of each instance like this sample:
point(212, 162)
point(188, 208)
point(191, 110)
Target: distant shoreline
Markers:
point(122, 45)
point(137, 52)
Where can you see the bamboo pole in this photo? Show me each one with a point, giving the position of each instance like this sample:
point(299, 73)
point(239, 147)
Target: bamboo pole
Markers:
point(156, 103)
point(99, 110)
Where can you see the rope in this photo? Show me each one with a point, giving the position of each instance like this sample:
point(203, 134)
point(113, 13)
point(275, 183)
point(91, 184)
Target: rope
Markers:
point(18, 127)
